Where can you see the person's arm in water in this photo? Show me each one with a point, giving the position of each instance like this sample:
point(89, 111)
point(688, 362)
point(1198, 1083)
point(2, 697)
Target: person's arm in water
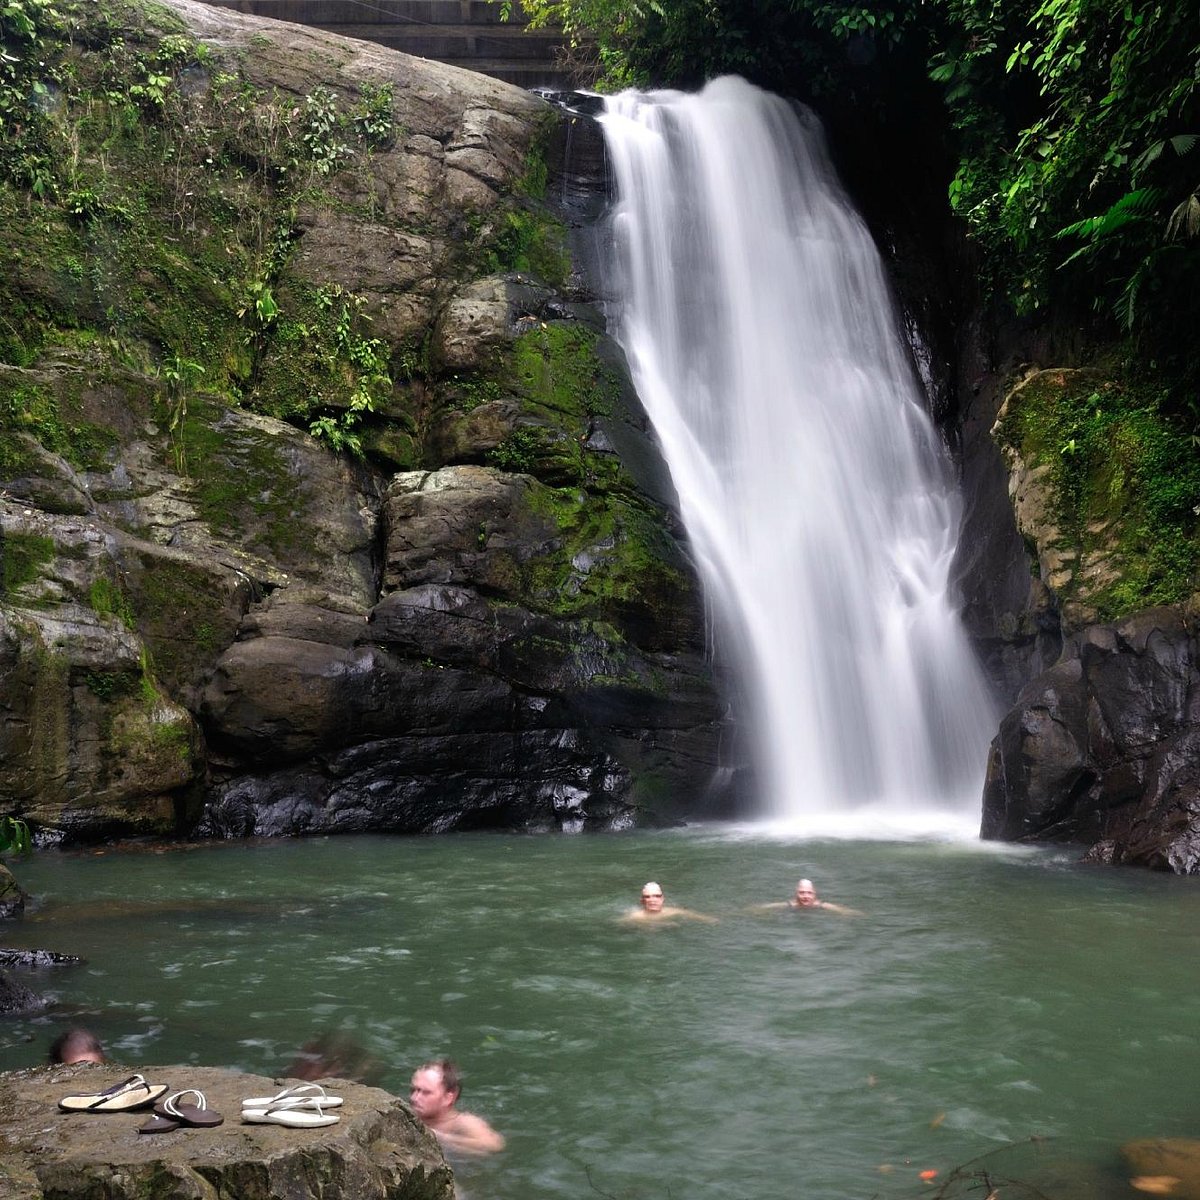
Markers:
point(640, 914)
point(840, 908)
point(687, 912)
point(469, 1134)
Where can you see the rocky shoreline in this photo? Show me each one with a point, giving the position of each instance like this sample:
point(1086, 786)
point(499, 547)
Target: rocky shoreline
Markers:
point(378, 1150)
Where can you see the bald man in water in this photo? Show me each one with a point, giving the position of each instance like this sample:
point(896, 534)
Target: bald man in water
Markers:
point(654, 907)
point(806, 897)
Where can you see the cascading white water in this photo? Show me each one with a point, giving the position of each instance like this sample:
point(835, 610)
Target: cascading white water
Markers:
point(820, 501)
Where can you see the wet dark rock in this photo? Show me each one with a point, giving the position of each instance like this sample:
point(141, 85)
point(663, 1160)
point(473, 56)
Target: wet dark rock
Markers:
point(1010, 614)
point(17, 1000)
point(36, 959)
point(12, 897)
point(378, 1150)
point(1103, 748)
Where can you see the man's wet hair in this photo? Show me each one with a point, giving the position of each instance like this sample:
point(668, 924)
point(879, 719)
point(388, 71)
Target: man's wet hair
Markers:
point(68, 1047)
point(451, 1076)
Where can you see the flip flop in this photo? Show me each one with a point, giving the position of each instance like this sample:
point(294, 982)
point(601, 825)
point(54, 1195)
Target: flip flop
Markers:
point(175, 1109)
point(303, 1095)
point(294, 1117)
point(130, 1093)
point(159, 1125)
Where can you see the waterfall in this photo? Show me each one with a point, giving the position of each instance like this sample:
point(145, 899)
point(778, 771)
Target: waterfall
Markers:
point(819, 499)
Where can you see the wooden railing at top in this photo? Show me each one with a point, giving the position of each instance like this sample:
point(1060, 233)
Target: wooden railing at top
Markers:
point(463, 33)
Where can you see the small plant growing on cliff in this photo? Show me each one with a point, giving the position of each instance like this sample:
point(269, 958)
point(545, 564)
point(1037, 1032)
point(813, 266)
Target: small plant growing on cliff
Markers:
point(14, 836)
point(319, 128)
point(367, 359)
point(180, 374)
point(518, 452)
point(371, 117)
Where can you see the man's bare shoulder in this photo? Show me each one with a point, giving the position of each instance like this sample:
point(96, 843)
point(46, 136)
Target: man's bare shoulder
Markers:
point(471, 1134)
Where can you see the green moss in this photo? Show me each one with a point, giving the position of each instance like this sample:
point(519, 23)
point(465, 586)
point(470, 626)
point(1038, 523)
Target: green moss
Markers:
point(242, 484)
point(612, 560)
point(36, 410)
point(556, 367)
point(184, 616)
point(107, 599)
point(530, 241)
point(173, 738)
point(22, 554)
point(1124, 478)
point(112, 685)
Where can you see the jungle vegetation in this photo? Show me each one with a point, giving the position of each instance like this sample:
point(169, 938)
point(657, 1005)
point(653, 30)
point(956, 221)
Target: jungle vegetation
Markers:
point(1072, 127)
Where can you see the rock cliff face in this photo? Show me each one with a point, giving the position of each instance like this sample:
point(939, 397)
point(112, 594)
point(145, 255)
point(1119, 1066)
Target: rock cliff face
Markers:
point(1098, 745)
point(1102, 748)
point(325, 501)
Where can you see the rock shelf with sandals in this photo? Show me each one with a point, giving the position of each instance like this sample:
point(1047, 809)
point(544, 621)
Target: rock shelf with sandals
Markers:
point(376, 1149)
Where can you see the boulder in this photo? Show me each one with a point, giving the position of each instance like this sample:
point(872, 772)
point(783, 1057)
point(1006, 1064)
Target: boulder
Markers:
point(17, 1000)
point(1102, 748)
point(378, 1150)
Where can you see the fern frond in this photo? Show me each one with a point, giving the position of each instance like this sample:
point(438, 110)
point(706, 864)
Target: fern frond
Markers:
point(1133, 206)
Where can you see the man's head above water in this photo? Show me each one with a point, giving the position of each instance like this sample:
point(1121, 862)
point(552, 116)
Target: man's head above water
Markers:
point(652, 897)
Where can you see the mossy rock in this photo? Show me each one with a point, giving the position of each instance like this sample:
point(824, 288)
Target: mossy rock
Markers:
point(187, 612)
point(1107, 489)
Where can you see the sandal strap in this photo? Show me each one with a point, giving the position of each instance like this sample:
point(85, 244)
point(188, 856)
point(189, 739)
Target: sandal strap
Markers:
point(118, 1089)
point(170, 1103)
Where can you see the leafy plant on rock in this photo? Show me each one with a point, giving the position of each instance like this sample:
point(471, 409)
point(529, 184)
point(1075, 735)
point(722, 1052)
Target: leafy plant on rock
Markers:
point(14, 836)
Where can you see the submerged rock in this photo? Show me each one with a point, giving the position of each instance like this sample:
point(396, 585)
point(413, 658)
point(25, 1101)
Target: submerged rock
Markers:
point(1165, 1166)
point(34, 959)
point(377, 1151)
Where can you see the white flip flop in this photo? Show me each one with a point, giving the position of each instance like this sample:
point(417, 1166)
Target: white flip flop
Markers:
point(297, 1118)
point(303, 1095)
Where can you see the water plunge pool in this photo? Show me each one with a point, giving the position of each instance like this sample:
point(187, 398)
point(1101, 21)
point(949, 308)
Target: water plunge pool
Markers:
point(986, 997)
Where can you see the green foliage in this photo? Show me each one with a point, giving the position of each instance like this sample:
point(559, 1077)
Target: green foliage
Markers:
point(320, 128)
point(14, 836)
point(518, 452)
point(1077, 121)
point(111, 685)
point(324, 372)
point(371, 118)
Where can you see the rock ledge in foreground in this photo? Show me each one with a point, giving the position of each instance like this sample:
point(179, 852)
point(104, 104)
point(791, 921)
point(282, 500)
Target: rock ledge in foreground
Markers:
point(377, 1151)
